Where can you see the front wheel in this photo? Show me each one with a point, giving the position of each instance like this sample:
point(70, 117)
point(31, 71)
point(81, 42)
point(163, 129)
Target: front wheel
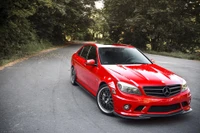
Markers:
point(104, 100)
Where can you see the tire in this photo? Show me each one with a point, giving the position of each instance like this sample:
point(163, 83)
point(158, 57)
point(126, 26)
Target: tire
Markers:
point(73, 76)
point(104, 100)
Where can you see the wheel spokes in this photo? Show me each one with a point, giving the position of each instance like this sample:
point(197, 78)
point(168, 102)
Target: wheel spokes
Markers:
point(106, 99)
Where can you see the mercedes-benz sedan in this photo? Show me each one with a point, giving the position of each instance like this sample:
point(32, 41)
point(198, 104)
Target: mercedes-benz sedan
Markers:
point(126, 83)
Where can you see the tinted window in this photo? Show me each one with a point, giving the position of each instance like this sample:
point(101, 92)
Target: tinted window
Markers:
point(84, 52)
point(122, 56)
point(92, 53)
point(80, 52)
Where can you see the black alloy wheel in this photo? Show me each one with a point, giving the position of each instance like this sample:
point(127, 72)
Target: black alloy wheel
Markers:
point(104, 100)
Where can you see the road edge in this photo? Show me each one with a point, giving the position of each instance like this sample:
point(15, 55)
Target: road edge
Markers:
point(29, 56)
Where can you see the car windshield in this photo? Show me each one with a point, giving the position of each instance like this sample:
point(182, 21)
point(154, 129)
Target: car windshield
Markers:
point(113, 55)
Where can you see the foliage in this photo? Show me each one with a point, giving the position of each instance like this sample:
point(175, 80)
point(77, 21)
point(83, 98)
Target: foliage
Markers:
point(27, 22)
point(54, 19)
point(166, 25)
point(26, 50)
point(99, 28)
point(177, 54)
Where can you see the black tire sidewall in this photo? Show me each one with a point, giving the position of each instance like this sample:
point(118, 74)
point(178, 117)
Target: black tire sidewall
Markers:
point(100, 89)
point(74, 80)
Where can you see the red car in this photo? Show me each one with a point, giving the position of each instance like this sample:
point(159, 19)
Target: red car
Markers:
point(126, 83)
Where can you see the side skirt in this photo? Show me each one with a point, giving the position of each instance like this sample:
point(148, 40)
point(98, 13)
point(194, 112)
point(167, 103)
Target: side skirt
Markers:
point(85, 89)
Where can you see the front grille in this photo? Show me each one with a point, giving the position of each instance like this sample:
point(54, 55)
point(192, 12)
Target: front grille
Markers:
point(162, 91)
point(164, 108)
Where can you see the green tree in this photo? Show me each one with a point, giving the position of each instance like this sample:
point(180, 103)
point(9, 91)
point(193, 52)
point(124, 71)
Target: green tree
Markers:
point(54, 19)
point(15, 29)
point(27, 21)
point(99, 28)
point(167, 25)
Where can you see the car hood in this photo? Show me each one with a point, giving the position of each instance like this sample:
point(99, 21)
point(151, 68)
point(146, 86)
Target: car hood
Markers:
point(144, 74)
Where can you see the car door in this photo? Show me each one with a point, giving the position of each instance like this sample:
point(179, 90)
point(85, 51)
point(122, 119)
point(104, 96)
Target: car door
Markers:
point(91, 73)
point(80, 64)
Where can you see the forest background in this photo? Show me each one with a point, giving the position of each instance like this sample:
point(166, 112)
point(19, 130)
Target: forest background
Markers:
point(157, 26)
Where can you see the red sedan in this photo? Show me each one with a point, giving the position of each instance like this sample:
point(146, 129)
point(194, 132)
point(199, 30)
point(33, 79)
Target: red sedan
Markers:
point(126, 83)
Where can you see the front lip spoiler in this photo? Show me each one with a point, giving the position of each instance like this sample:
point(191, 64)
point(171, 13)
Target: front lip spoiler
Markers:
point(148, 116)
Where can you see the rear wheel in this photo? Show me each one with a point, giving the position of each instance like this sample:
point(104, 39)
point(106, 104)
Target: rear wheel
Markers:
point(104, 100)
point(73, 76)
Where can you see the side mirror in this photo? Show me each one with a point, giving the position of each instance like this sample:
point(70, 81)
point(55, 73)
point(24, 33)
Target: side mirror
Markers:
point(90, 62)
point(153, 61)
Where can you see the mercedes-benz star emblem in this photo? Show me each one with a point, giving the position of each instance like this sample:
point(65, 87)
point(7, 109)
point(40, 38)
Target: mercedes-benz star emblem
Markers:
point(166, 91)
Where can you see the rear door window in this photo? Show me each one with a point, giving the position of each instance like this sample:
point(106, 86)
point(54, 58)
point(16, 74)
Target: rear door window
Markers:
point(84, 52)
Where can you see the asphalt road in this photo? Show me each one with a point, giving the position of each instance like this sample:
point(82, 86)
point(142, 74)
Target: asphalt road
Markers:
point(36, 96)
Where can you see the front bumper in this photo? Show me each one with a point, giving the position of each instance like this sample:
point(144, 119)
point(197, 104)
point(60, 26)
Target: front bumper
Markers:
point(148, 116)
point(144, 107)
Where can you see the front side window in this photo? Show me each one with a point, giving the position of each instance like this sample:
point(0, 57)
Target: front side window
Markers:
point(122, 56)
point(92, 53)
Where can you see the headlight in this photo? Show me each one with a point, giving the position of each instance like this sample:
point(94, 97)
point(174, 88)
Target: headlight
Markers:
point(127, 88)
point(184, 87)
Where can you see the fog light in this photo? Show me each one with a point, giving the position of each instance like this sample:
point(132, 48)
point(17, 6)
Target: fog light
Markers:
point(127, 106)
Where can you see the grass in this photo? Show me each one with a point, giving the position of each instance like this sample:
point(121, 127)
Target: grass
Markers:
point(195, 56)
point(26, 50)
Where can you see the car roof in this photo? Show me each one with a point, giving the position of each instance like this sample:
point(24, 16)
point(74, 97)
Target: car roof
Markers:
point(111, 45)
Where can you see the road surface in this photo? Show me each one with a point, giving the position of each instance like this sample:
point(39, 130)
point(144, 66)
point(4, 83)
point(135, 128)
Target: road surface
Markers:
point(36, 96)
